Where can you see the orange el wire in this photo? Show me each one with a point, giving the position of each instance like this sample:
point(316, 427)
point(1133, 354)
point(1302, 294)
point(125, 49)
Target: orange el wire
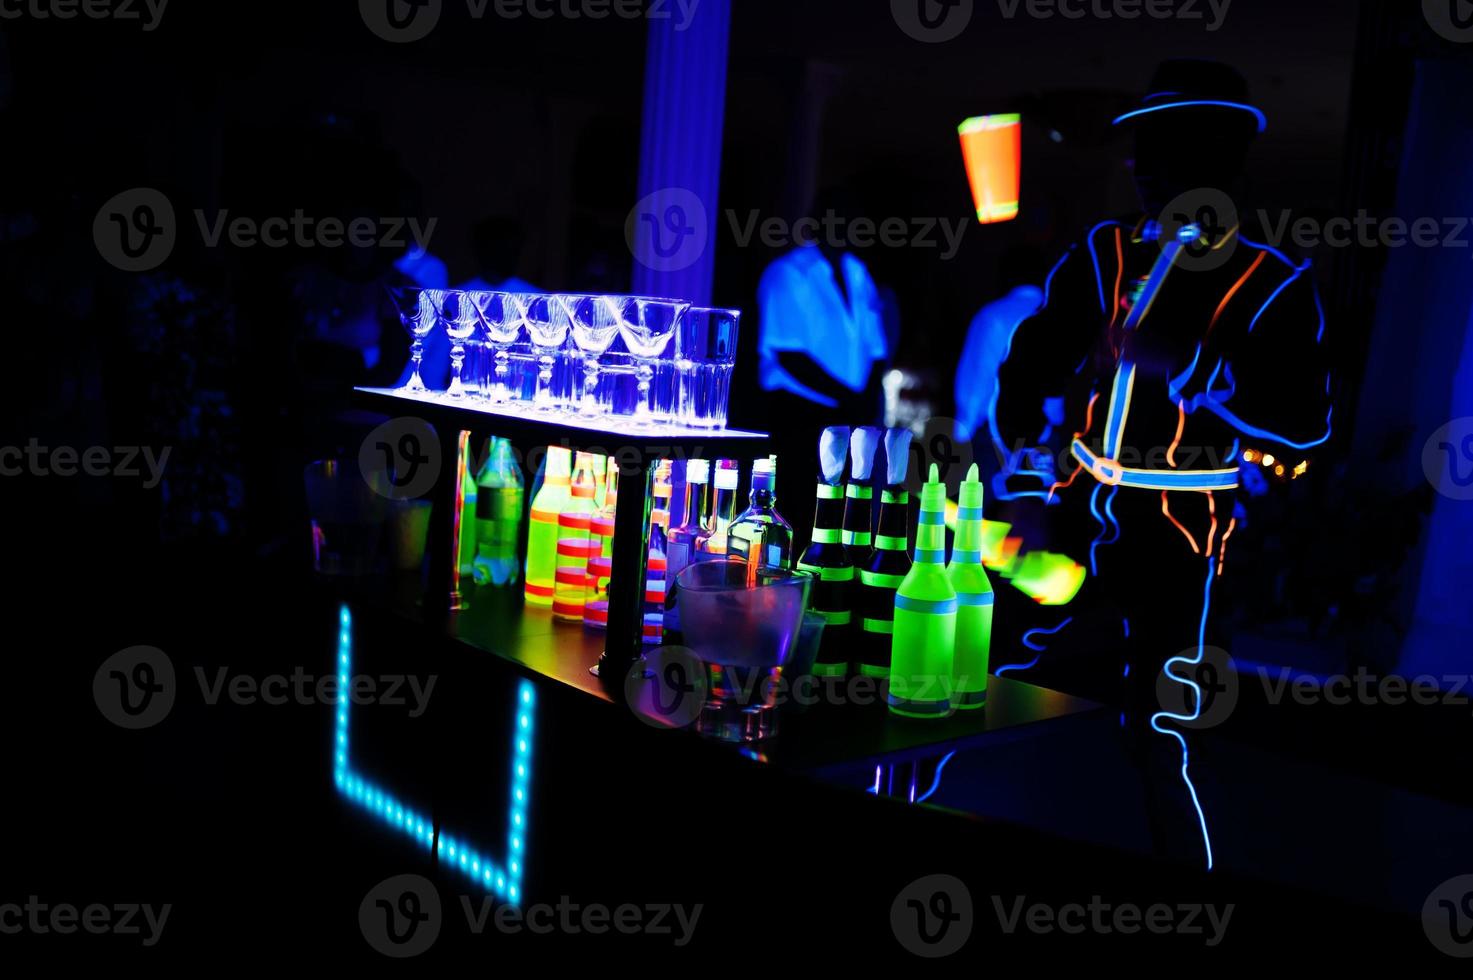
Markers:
point(1222, 555)
point(1119, 274)
point(1181, 426)
point(1212, 510)
point(1234, 291)
point(1089, 421)
point(1166, 509)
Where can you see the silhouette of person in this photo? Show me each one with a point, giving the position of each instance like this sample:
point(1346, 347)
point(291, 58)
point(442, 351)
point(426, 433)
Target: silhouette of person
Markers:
point(1177, 345)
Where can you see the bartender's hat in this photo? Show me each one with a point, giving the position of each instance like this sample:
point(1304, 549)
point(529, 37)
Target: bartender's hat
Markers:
point(1185, 84)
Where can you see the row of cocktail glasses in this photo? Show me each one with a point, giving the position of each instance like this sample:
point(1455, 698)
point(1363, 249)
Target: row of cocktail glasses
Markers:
point(699, 342)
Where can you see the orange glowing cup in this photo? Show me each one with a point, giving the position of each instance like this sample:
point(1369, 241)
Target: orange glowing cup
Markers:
point(992, 147)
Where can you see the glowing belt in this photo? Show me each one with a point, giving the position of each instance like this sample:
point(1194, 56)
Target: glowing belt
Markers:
point(1111, 473)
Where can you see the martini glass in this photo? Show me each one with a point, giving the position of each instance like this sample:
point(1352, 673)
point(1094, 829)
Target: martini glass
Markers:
point(501, 318)
point(594, 321)
point(548, 323)
point(459, 316)
point(647, 326)
point(418, 310)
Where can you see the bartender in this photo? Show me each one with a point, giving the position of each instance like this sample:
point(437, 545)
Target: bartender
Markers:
point(1177, 345)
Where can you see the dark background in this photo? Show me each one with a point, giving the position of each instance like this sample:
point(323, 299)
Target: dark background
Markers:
point(241, 359)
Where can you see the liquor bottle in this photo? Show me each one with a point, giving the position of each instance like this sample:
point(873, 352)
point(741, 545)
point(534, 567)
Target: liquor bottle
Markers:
point(499, 496)
point(713, 542)
point(570, 587)
point(547, 505)
point(888, 562)
point(468, 493)
point(857, 533)
point(826, 559)
point(923, 650)
point(974, 599)
point(601, 565)
point(680, 543)
point(656, 569)
point(761, 522)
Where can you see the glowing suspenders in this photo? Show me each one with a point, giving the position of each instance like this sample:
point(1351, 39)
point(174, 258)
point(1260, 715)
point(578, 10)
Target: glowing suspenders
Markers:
point(1104, 468)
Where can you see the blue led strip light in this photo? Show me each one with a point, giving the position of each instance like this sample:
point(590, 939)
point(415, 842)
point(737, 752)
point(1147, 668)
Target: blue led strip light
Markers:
point(505, 882)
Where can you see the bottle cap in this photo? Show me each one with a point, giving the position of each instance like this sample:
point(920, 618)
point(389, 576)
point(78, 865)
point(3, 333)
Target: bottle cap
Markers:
point(727, 474)
point(897, 456)
point(833, 447)
point(764, 473)
point(933, 493)
point(559, 461)
point(697, 471)
point(971, 491)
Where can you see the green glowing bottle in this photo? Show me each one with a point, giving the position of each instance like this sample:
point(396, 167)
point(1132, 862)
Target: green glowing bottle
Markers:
point(827, 560)
point(542, 536)
point(924, 641)
point(974, 599)
point(499, 497)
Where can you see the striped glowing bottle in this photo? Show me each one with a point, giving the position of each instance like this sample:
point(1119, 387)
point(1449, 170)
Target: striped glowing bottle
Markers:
point(879, 577)
point(923, 647)
point(601, 564)
point(574, 548)
point(654, 588)
point(974, 599)
point(542, 533)
point(833, 581)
